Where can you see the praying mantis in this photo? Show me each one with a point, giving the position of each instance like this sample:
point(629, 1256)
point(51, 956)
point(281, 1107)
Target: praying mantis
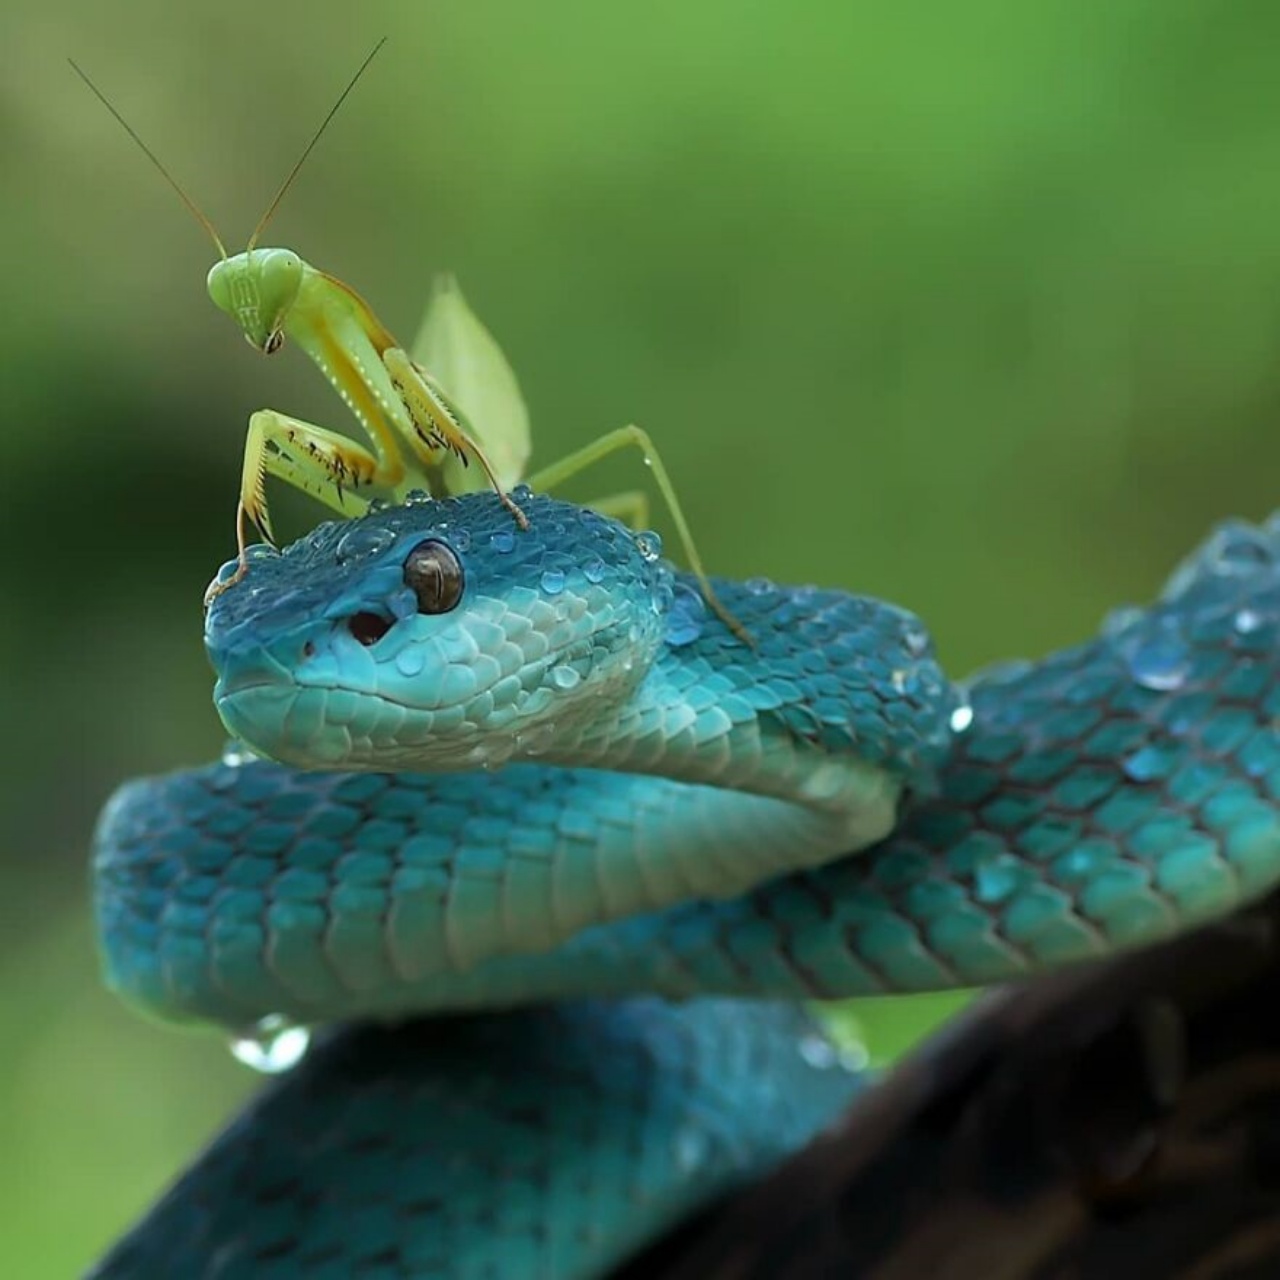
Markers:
point(419, 436)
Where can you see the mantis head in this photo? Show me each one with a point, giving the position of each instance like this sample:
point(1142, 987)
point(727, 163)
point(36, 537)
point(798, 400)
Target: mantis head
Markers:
point(257, 289)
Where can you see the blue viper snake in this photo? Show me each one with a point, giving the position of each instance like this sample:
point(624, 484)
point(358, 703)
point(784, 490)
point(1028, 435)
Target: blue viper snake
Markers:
point(565, 857)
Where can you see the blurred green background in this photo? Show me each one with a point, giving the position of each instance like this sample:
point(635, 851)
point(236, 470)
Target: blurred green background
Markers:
point(975, 306)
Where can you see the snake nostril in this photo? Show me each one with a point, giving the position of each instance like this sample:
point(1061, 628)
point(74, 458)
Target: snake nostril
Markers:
point(309, 649)
point(368, 628)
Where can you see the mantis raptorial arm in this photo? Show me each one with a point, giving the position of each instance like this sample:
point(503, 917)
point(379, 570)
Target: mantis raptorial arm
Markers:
point(438, 423)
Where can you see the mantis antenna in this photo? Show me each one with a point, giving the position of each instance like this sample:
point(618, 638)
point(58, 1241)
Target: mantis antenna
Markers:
point(195, 209)
point(315, 137)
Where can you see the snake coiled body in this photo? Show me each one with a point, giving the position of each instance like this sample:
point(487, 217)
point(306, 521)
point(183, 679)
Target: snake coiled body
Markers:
point(677, 815)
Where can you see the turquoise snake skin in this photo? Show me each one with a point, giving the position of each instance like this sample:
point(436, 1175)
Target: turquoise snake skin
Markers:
point(677, 815)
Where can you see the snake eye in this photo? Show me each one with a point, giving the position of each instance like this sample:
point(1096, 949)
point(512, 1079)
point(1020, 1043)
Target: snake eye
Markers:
point(274, 342)
point(434, 574)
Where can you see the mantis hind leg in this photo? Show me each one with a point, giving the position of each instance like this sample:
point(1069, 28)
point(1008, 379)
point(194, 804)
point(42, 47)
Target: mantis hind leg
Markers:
point(323, 464)
point(635, 437)
point(631, 508)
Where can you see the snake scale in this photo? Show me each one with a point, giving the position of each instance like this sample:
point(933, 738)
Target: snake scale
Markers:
point(515, 777)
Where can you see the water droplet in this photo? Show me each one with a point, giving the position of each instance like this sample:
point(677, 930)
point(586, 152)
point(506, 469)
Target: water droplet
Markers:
point(819, 1052)
point(854, 1057)
point(1248, 621)
point(961, 718)
point(502, 540)
point(321, 534)
point(363, 541)
point(916, 639)
point(461, 540)
point(417, 498)
point(1238, 548)
point(552, 581)
point(271, 1045)
point(594, 569)
point(258, 552)
point(682, 630)
point(521, 493)
point(649, 545)
point(1160, 660)
point(758, 586)
point(378, 505)
point(235, 754)
point(565, 677)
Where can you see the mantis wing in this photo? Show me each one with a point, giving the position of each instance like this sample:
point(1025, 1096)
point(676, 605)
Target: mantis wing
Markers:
point(460, 354)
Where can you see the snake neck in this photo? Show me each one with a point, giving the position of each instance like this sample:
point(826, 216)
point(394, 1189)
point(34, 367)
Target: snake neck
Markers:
point(838, 707)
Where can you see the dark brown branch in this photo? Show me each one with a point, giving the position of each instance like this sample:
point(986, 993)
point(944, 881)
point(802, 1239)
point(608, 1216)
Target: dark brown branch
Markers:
point(1116, 1121)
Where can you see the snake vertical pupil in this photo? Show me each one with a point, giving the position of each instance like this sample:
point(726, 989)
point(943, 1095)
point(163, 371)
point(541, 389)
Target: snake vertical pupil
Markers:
point(434, 574)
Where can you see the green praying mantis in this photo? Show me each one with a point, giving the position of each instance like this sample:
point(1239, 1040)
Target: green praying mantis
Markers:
point(419, 436)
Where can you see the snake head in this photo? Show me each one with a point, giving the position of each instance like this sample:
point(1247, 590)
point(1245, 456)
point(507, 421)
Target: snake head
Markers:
point(435, 635)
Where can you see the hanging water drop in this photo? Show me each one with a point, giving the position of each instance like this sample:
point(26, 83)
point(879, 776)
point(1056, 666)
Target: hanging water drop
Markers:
point(235, 754)
point(819, 1052)
point(271, 1045)
point(854, 1057)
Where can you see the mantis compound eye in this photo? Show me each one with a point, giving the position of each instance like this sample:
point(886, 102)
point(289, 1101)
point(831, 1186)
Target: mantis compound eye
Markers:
point(434, 574)
point(274, 342)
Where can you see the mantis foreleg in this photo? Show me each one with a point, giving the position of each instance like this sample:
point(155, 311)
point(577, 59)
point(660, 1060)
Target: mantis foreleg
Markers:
point(327, 466)
point(438, 424)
